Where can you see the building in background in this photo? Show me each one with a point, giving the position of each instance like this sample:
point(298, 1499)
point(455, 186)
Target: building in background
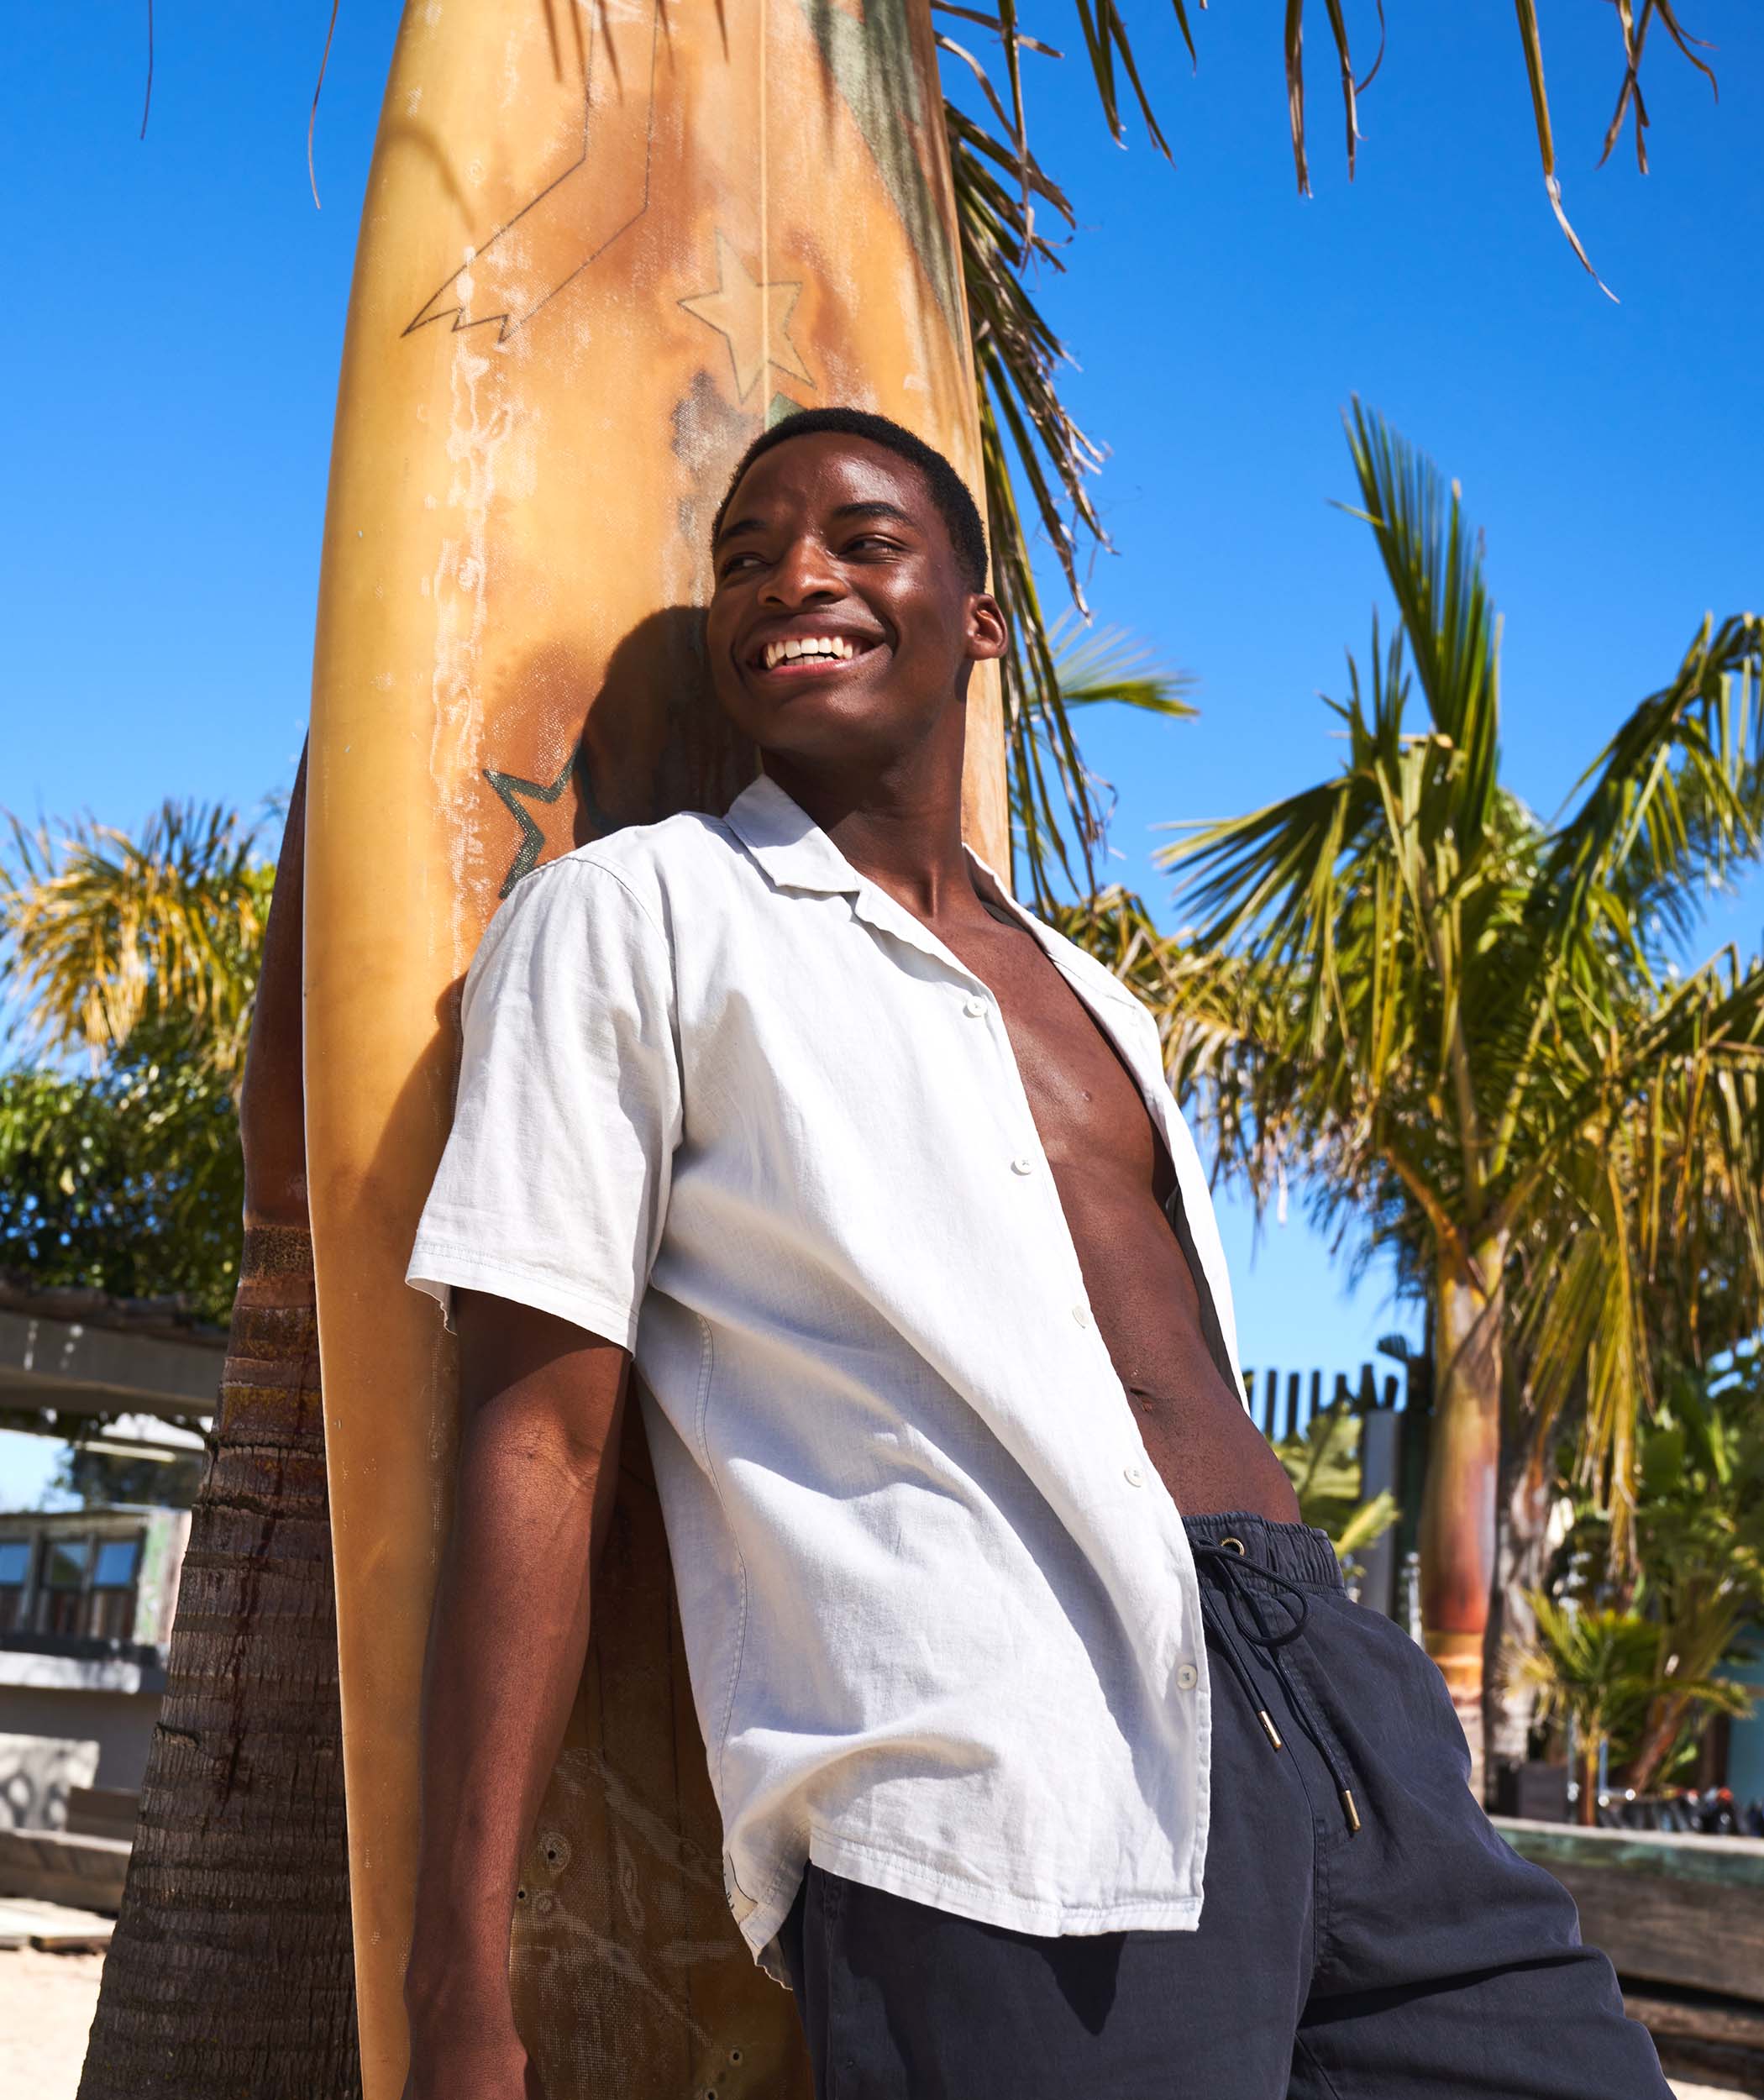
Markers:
point(87, 1593)
point(86, 1599)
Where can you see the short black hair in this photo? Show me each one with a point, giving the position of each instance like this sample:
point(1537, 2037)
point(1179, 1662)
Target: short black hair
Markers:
point(950, 493)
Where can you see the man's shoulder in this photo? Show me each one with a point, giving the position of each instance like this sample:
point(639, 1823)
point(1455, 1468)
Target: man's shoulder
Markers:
point(651, 864)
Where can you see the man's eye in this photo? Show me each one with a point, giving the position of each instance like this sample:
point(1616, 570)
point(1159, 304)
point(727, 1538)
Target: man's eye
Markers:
point(735, 562)
point(870, 541)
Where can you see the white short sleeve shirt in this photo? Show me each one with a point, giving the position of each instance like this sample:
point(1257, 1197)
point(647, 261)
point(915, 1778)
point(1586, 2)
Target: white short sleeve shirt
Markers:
point(725, 1102)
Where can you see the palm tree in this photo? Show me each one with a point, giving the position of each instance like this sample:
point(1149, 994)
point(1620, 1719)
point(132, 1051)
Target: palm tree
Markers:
point(1005, 199)
point(139, 957)
point(1465, 1028)
point(232, 1967)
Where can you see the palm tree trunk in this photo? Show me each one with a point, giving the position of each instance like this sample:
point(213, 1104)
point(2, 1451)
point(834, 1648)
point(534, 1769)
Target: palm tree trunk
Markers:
point(1464, 1463)
point(1586, 1810)
point(1662, 1732)
point(1521, 1565)
point(231, 1972)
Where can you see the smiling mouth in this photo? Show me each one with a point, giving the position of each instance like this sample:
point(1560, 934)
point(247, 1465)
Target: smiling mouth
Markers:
point(794, 655)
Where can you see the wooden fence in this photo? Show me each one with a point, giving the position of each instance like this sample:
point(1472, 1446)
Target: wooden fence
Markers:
point(1282, 1402)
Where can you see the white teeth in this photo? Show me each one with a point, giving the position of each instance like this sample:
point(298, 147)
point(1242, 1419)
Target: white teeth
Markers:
point(788, 651)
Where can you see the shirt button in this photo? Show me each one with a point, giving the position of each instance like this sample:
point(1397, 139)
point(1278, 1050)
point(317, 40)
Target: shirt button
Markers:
point(1187, 1677)
point(976, 1008)
point(1022, 1165)
point(1133, 1477)
point(1081, 1313)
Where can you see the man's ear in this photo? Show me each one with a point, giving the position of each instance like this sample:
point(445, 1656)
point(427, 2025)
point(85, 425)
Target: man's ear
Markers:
point(989, 631)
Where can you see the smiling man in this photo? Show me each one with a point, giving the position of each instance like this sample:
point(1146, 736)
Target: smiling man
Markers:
point(1053, 1758)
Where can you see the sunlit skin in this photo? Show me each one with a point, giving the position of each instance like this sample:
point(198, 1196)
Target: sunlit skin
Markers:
point(830, 536)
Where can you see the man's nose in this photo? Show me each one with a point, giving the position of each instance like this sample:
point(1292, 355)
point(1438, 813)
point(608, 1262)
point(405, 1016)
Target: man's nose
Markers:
point(804, 575)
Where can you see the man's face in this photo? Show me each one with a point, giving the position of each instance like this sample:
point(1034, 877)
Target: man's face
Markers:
point(841, 629)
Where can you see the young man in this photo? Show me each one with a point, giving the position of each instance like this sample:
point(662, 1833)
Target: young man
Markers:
point(1052, 1759)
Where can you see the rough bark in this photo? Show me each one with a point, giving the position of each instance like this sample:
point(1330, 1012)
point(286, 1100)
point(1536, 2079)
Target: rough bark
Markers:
point(1458, 1500)
point(231, 1973)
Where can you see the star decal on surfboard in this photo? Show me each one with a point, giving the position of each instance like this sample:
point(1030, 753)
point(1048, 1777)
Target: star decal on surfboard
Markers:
point(753, 318)
point(576, 217)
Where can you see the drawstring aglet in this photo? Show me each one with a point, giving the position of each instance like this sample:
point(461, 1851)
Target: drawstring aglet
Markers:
point(1267, 1720)
point(1353, 1814)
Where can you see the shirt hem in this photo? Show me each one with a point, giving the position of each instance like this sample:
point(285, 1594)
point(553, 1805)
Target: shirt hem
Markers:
point(897, 1875)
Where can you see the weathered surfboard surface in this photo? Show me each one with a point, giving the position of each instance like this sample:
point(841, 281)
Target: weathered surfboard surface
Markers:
point(602, 244)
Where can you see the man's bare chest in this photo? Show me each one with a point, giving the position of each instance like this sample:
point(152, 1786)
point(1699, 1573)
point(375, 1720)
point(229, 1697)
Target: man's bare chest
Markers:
point(1088, 1108)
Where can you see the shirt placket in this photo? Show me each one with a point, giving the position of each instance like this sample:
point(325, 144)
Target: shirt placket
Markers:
point(1142, 1491)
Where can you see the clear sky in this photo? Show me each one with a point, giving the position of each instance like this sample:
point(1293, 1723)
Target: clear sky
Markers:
point(178, 309)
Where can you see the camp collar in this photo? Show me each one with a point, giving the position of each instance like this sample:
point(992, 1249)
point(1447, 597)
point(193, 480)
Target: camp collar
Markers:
point(795, 853)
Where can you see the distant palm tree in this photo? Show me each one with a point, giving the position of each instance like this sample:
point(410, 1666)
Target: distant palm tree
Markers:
point(110, 935)
point(1467, 1028)
point(138, 956)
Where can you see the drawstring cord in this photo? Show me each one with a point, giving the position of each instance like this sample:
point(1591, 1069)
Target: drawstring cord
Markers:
point(1248, 1615)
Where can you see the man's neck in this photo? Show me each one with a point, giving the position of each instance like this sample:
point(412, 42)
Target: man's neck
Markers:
point(903, 832)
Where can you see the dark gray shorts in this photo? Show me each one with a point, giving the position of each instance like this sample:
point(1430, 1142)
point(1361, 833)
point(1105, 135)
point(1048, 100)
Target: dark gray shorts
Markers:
point(1417, 1955)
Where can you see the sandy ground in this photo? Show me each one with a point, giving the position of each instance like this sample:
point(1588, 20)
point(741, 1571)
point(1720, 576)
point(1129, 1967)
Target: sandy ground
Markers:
point(46, 2003)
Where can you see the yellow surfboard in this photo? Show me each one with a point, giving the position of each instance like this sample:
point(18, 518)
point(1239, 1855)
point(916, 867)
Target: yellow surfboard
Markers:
point(603, 242)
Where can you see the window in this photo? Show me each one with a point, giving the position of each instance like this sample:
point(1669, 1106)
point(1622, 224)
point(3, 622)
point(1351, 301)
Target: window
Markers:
point(64, 1578)
point(110, 1608)
point(14, 1575)
point(63, 1563)
point(118, 1559)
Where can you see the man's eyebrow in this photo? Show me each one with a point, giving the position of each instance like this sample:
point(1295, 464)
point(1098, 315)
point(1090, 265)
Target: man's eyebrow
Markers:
point(737, 525)
point(876, 508)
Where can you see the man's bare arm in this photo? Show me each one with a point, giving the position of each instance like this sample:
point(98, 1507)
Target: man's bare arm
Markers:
point(542, 1405)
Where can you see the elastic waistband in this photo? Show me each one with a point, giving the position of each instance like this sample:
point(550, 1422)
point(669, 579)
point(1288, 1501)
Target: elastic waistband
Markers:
point(1296, 1550)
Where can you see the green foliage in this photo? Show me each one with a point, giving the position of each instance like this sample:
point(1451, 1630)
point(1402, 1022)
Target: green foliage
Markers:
point(1698, 1531)
point(1323, 1464)
point(1464, 1030)
point(106, 936)
point(1604, 1667)
point(129, 1182)
point(144, 953)
point(1592, 1666)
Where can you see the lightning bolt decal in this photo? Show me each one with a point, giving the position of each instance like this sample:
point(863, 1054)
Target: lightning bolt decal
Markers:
point(573, 221)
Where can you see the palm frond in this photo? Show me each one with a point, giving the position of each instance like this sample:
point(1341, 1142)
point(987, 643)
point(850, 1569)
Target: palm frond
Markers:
point(1434, 566)
point(105, 933)
point(1109, 665)
point(1676, 796)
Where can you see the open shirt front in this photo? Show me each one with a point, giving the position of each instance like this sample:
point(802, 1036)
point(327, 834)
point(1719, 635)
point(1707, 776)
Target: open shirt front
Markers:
point(725, 1102)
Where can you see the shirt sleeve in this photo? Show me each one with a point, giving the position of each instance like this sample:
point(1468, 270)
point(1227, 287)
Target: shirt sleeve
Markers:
point(554, 1186)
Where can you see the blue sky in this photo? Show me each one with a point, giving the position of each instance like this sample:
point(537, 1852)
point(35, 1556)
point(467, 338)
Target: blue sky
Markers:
point(179, 315)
